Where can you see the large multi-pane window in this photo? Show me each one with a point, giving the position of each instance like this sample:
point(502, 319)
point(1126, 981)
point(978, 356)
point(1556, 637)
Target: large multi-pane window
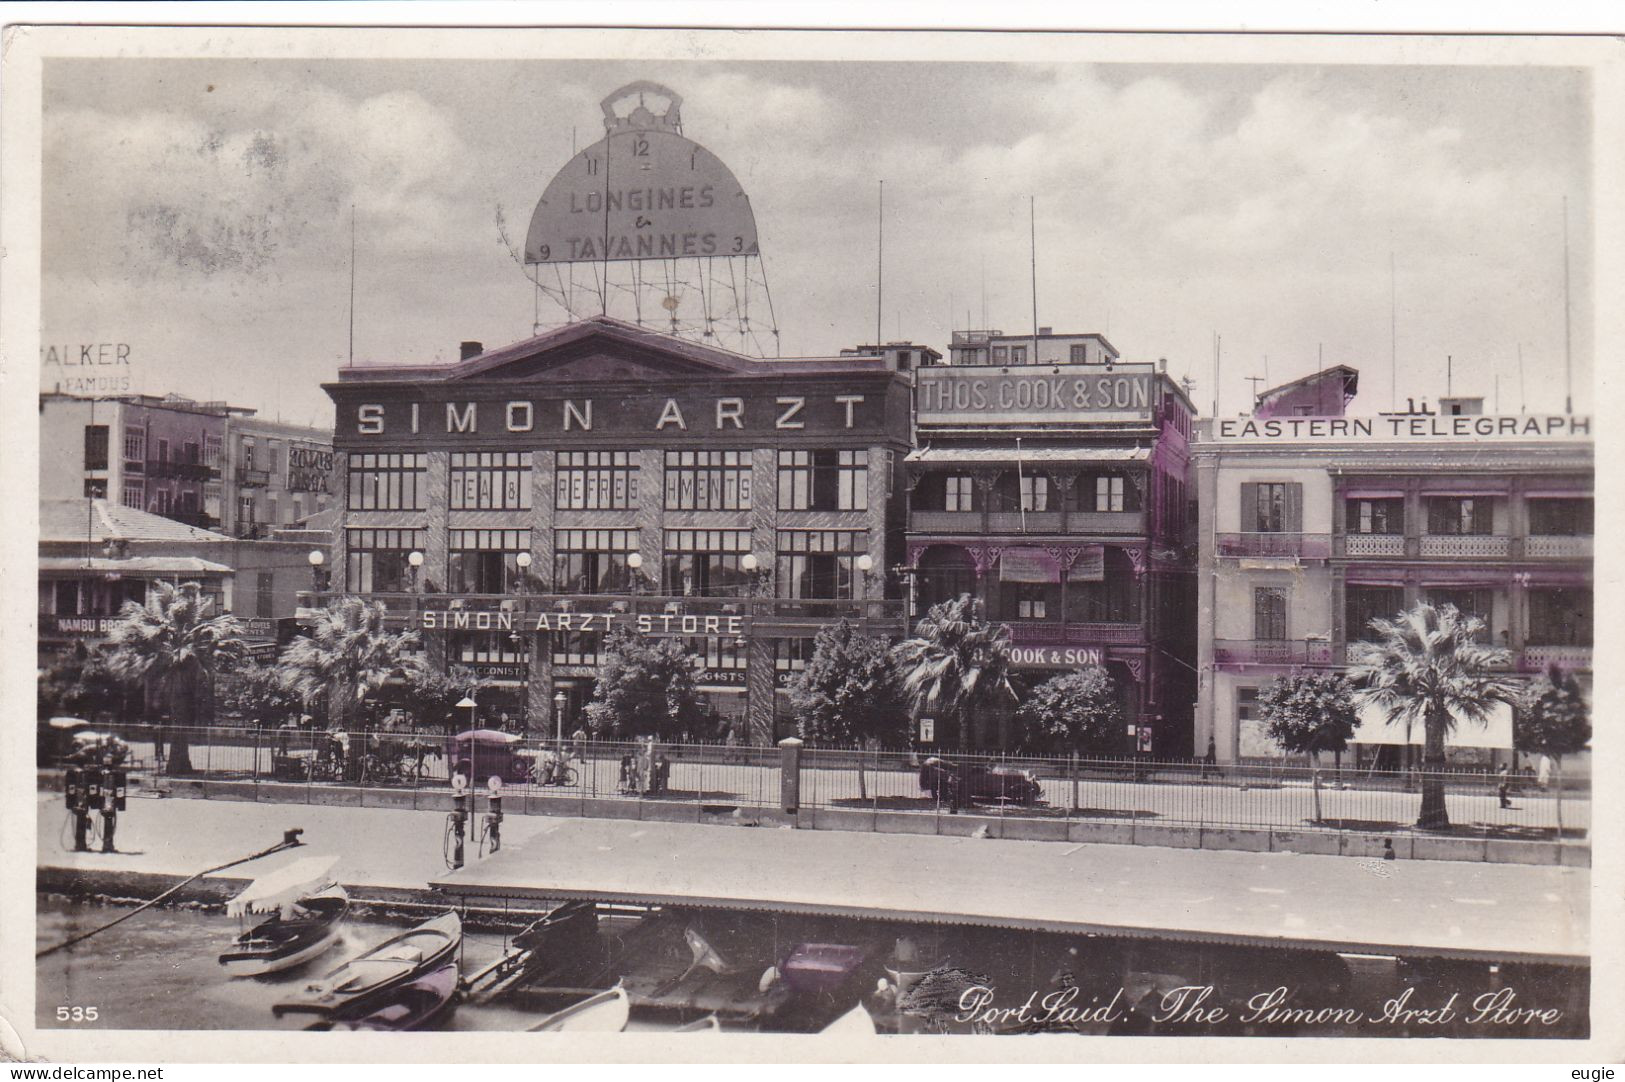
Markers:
point(211, 451)
point(722, 655)
point(490, 480)
point(1565, 517)
point(1460, 515)
point(388, 482)
point(958, 492)
point(1034, 492)
point(1269, 613)
point(1032, 600)
point(1269, 509)
point(1560, 617)
point(1383, 516)
point(489, 648)
point(135, 443)
point(1110, 492)
point(1362, 604)
point(592, 561)
point(790, 656)
point(484, 561)
point(819, 563)
point(1477, 602)
point(706, 562)
point(95, 447)
point(708, 480)
point(596, 480)
point(378, 561)
point(134, 494)
point(577, 647)
point(824, 480)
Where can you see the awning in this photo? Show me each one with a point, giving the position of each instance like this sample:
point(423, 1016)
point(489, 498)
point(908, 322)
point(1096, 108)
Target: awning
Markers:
point(1494, 732)
point(155, 565)
point(1027, 455)
point(1028, 564)
point(1374, 494)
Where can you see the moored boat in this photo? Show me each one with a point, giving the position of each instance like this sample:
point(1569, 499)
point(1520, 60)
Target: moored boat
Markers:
point(418, 1004)
point(606, 1012)
point(306, 908)
point(369, 981)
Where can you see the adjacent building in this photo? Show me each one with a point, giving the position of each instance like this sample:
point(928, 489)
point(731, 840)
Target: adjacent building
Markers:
point(96, 554)
point(1056, 493)
point(204, 464)
point(1312, 522)
point(517, 505)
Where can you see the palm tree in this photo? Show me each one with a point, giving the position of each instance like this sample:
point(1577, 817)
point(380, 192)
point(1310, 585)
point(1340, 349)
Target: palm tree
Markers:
point(956, 663)
point(1428, 667)
point(346, 655)
point(175, 641)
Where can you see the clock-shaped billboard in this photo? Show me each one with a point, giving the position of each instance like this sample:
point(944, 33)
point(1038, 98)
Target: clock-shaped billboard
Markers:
point(644, 191)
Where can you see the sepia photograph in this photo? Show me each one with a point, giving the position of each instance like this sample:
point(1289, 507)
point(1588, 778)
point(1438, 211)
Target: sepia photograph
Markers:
point(571, 535)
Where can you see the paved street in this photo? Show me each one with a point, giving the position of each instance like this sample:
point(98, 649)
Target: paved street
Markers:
point(1221, 800)
point(1449, 905)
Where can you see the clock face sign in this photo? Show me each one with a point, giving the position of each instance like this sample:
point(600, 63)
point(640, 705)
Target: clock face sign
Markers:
point(641, 193)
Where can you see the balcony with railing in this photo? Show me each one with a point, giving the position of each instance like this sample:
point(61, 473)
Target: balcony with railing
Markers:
point(1373, 544)
point(1308, 546)
point(1537, 659)
point(1286, 652)
point(1554, 547)
point(248, 477)
point(1079, 523)
point(183, 471)
point(1465, 546)
point(1074, 633)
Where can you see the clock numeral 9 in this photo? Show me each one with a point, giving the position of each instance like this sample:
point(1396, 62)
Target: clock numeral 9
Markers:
point(545, 251)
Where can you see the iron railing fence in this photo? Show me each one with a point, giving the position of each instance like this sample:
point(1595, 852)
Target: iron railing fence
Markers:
point(720, 777)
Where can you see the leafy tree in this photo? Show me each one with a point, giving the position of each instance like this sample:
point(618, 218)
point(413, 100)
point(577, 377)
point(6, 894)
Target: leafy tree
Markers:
point(1555, 721)
point(80, 683)
point(346, 655)
point(1076, 711)
point(1310, 712)
point(850, 691)
point(956, 664)
point(434, 695)
point(175, 643)
point(1429, 668)
point(645, 685)
point(255, 691)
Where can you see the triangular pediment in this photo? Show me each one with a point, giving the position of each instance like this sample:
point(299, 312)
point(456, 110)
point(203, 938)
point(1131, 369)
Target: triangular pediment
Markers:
point(602, 349)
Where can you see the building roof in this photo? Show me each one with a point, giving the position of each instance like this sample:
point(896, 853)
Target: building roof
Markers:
point(97, 520)
point(684, 356)
point(158, 565)
point(991, 455)
point(1326, 393)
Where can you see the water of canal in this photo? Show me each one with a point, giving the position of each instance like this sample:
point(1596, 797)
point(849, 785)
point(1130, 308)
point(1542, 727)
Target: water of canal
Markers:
point(158, 970)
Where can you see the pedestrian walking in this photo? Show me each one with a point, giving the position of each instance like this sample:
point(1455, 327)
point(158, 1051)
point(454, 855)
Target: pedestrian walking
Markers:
point(579, 739)
point(1504, 777)
point(1543, 776)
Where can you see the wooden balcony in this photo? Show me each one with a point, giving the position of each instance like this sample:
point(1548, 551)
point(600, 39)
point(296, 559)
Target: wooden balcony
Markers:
point(1308, 546)
point(1558, 548)
point(1278, 652)
point(1035, 633)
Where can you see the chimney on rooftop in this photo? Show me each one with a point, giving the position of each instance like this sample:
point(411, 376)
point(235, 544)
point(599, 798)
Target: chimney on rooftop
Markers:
point(471, 349)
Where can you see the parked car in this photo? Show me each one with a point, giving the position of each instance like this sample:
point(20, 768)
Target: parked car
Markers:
point(478, 754)
point(998, 784)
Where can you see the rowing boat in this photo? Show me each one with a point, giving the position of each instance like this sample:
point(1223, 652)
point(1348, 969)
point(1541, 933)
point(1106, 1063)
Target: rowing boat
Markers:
point(368, 982)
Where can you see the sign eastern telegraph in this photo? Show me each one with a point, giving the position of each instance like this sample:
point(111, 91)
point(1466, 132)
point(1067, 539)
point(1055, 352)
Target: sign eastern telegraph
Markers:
point(641, 192)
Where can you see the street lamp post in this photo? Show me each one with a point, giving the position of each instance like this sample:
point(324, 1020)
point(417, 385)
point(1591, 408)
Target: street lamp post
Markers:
point(635, 563)
point(317, 557)
point(524, 561)
point(559, 702)
point(414, 560)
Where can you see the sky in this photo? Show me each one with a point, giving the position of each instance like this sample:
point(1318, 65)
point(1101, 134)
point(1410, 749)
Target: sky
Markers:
point(200, 211)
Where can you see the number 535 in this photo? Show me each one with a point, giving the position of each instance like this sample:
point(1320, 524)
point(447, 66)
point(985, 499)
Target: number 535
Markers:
point(76, 1014)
